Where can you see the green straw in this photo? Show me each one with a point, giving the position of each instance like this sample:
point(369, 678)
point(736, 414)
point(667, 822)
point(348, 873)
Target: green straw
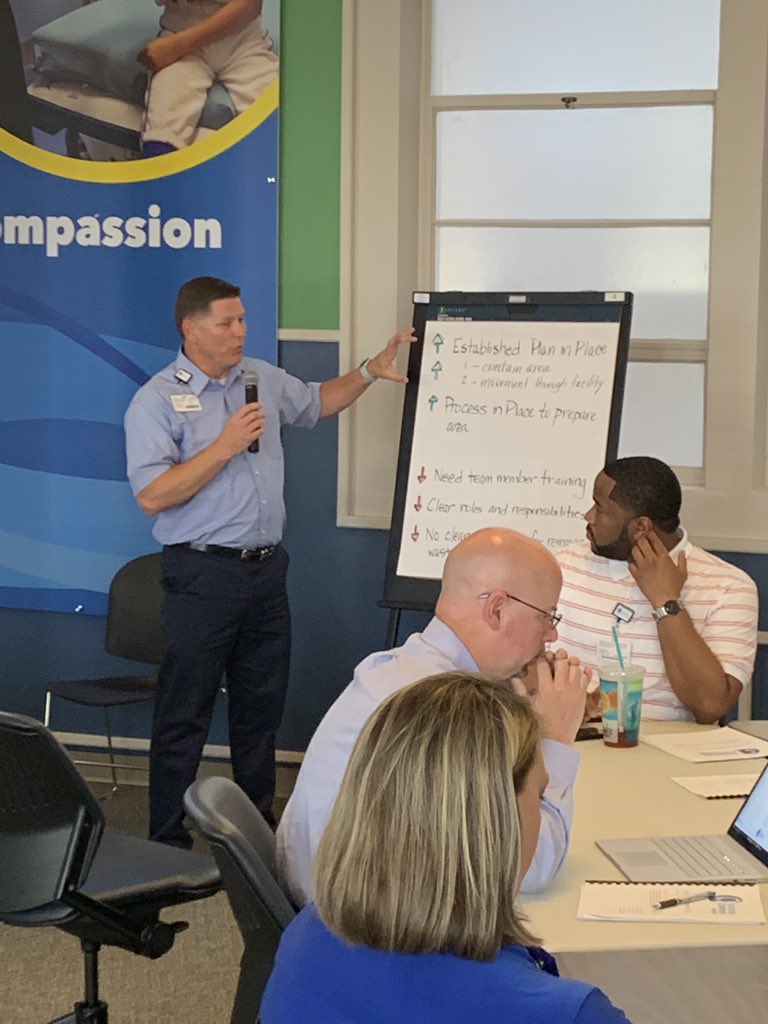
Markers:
point(621, 690)
point(615, 631)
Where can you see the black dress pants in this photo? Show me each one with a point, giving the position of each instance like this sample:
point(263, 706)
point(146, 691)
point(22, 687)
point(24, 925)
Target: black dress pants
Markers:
point(223, 616)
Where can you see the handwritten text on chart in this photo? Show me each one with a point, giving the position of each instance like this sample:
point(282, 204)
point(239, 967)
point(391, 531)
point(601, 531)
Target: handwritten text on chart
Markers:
point(579, 484)
point(559, 414)
point(580, 348)
point(539, 369)
point(510, 429)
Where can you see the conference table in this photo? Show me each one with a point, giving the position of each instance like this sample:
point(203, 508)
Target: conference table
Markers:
point(658, 973)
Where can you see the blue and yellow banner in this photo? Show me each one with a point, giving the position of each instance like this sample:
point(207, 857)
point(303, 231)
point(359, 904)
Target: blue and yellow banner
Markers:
point(94, 243)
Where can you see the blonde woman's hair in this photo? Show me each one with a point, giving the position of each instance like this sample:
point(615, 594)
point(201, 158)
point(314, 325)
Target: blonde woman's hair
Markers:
point(422, 850)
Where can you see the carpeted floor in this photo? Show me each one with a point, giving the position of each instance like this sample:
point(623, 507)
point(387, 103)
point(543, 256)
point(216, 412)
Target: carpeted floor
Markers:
point(194, 983)
point(41, 972)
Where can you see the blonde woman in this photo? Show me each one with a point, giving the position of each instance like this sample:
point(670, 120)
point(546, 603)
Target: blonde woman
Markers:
point(416, 875)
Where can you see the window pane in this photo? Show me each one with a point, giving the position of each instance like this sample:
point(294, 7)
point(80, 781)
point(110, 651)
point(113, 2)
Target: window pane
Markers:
point(666, 268)
point(629, 163)
point(674, 430)
point(520, 46)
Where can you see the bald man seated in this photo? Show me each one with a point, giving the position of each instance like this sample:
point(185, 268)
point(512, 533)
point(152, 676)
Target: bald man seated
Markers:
point(495, 613)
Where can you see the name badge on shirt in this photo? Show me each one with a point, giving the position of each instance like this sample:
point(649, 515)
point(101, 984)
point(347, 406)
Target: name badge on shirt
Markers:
point(624, 613)
point(186, 403)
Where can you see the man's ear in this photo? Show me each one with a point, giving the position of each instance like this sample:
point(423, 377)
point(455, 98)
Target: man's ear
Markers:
point(639, 527)
point(492, 609)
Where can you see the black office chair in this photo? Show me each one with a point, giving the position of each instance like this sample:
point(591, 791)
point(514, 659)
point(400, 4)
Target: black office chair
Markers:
point(59, 867)
point(244, 848)
point(134, 631)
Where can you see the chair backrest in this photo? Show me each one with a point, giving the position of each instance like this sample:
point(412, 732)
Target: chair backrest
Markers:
point(135, 627)
point(243, 846)
point(50, 822)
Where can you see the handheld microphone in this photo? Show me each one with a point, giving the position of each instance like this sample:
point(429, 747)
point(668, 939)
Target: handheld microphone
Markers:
point(251, 381)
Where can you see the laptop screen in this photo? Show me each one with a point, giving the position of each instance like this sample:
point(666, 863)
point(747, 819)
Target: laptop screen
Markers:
point(750, 826)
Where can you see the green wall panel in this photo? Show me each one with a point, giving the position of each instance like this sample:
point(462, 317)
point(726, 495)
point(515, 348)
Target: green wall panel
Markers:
point(310, 163)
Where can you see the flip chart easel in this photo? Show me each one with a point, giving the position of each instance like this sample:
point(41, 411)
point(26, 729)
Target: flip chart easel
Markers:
point(512, 407)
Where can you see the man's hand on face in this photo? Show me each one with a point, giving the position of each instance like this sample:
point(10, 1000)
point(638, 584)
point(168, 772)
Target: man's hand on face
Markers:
point(559, 694)
point(655, 572)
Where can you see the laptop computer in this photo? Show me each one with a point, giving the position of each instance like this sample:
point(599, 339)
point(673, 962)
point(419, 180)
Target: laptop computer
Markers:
point(758, 727)
point(740, 855)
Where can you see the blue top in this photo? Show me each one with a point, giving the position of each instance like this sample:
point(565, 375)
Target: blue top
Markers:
point(318, 979)
point(242, 507)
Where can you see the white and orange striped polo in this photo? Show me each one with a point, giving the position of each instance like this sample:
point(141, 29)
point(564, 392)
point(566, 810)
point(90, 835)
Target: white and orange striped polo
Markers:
point(720, 599)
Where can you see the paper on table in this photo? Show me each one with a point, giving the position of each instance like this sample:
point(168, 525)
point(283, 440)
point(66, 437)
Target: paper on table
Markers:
point(633, 901)
point(717, 787)
point(713, 745)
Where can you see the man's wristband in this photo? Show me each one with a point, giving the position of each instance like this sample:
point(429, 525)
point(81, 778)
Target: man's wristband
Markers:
point(365, 372)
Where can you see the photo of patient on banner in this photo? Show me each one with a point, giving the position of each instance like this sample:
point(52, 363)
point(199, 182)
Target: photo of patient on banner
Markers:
point(128, 79)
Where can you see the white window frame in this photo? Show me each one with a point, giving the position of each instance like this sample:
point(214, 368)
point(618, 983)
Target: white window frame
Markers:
point(388, 207)
point(657, 350)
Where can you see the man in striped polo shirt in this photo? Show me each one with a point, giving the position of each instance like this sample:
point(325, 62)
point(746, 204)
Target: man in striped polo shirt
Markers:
point(690, 617)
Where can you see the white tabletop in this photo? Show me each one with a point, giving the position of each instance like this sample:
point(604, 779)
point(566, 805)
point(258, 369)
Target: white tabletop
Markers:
point(629, 792)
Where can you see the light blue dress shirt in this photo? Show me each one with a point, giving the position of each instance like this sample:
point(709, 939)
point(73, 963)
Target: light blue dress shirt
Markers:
point(242, 506)
point(437, 649)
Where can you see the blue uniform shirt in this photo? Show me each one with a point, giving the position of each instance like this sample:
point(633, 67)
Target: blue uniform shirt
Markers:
point(242, 506)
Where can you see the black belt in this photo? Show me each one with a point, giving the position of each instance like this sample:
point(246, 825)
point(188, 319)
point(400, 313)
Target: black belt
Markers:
point(244, 554)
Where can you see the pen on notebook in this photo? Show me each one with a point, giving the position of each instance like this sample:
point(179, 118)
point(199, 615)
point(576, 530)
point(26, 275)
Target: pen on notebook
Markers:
point(665, 904)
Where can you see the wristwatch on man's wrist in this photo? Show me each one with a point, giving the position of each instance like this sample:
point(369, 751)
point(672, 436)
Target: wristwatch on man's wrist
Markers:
point(668, 608)
point(367, 376)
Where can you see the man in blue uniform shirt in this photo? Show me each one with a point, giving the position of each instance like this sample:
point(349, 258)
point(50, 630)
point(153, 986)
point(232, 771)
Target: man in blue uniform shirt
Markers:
point(220, 517)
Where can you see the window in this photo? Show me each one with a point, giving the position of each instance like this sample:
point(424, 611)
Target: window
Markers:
point(651, 180)
point(515, 46)
point(551, 175)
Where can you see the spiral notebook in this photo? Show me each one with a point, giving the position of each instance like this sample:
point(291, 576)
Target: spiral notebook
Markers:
point(736, 903)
